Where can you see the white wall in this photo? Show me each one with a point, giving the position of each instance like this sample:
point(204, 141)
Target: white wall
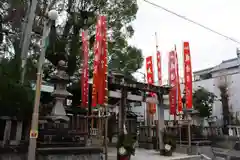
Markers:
point(233, 81)
point(211, 85)
point(208, 84)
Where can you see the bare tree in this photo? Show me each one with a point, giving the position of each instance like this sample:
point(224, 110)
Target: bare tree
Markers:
point(224, 98)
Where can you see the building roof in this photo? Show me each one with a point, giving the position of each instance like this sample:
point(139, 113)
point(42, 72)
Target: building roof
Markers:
point(203, 71)
point(231, 63)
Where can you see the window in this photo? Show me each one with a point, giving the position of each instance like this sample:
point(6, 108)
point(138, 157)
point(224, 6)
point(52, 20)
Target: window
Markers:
point(197, 78)
point(206, 76)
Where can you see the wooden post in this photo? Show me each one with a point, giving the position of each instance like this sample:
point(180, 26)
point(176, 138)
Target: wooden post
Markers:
point(99, 123)
point(106, 133)
point(122, 110)
point(189, 131)
point(92, 122)
point(121, 115)
point(160, 121)
point(147, 109)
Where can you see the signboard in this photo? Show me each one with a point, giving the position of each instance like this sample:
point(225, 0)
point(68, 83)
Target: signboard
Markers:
point(33, 134)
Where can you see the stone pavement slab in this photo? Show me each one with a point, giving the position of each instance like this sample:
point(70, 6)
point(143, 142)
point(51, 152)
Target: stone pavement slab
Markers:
point(210, 152)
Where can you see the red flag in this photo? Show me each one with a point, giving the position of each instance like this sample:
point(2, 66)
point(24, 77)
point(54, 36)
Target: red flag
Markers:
point(150, 79)
point(85, 78)
point(96, 63)
point(100, 64)
point(149, 68)
point(187, 74)
point(179, 104)
point(173, 82)
point(102, 97)
point(159, 68)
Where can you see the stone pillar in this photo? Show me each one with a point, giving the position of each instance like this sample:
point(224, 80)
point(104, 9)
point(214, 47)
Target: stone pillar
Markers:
point(19, 131)
point(149, 127)
point(161, 125)
point(7, 131)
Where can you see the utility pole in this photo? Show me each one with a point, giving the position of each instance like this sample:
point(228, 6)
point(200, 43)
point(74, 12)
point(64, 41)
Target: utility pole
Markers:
point(51, 16)
point(27, 37)
point(24, 24)
point(34, 124)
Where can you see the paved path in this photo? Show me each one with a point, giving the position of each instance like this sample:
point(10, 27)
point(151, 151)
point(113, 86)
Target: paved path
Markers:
point(143, 154)
point(208, 151)
point(219, 152)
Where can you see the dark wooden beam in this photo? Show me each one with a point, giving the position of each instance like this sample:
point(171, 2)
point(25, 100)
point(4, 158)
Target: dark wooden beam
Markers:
point(139, 86)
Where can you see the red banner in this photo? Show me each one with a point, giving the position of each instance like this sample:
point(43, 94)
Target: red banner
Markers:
point(85, 78)
point(172, 82)
point(102, 97)
point(150, 80)
point(149, 69)
point(179, 97)
point(95, 64)
point(159, 68)
point(187, 74)
point(99, 90)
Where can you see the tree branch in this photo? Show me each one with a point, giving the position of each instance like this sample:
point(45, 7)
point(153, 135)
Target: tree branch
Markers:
point(52, 4)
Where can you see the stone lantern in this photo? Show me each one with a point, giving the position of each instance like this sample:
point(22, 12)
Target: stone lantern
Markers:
point(60, 79)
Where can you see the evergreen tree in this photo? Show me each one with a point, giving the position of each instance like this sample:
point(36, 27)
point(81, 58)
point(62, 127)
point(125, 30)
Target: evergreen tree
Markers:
point(203, 102)
point(65, 40)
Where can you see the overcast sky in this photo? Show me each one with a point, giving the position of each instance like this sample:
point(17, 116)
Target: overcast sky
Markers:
point(207, 49)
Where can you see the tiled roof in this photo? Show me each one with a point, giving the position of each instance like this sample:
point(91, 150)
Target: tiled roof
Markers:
point(203, 71)
point(226, 64)
point(231, 63)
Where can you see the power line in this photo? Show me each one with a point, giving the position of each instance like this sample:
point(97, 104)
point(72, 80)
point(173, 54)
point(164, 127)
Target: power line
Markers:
point(192, 21)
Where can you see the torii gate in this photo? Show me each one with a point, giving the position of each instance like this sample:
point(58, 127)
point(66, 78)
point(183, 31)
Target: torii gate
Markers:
point(159, 90)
